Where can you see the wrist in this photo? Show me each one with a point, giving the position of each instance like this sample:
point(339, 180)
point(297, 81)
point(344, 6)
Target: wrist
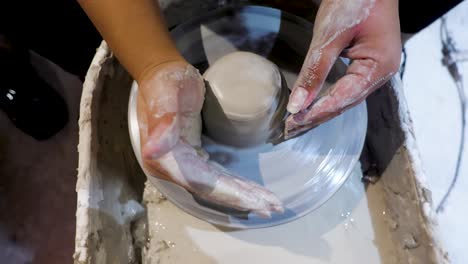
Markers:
point(149, 70)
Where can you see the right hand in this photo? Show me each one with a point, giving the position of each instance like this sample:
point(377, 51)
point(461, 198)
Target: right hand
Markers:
point(169, 104)
point(368, 33)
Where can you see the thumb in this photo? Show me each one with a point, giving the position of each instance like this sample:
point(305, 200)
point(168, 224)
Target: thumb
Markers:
point(162, 137)
point(317, 64)
point(158, 133)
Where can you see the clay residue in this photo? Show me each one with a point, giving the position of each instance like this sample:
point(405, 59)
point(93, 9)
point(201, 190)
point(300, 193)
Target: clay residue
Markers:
point(110, 181)
point(392, 151)
point(414, 243)
point(382, 224)
point(166, 238)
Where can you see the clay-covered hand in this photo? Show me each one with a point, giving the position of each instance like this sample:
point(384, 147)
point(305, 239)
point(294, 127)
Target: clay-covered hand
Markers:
point(169, 105)
point(365, 31)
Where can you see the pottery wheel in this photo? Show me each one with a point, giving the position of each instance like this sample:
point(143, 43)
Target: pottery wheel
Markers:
point(303, 172)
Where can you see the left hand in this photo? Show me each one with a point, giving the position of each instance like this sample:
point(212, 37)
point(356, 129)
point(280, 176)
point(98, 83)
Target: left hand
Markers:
point(365, 31)
point(170, 99)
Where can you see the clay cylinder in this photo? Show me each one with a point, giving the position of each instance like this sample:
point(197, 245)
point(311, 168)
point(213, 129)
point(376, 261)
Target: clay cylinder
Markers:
point(245, 100)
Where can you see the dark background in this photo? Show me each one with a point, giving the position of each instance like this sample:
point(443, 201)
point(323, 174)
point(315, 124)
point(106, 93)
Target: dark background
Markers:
point(60, 31)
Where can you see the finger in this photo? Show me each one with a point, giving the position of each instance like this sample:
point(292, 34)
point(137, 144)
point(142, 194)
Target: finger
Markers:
point(213, 183)
point(315, 69)
point(294, 129)
point(244, 195)
point(362, 78)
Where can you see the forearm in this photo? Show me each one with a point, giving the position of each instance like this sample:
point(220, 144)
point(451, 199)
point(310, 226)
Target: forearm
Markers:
point(135, 31)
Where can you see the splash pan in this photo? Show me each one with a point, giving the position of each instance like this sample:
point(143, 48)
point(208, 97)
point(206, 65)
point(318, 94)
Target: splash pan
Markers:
point(305, 171)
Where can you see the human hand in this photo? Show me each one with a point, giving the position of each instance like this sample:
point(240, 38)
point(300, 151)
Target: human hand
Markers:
point(170, 100)
point(365, 31)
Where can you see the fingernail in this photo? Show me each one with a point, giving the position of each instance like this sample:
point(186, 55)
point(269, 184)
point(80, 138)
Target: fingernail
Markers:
point(297, 100)
point(278, 208)
point(263, 213)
